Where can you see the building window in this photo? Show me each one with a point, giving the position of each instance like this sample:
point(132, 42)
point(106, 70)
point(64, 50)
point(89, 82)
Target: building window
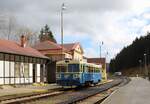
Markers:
point(34, 60)
point(12, 57)
point(26, 59)
point(17, 58)
point(30, 60)
point(1, 56)
point(17, 69)
point(41, 61)
point(6, 57)
point(22, 58)
point(26, 70)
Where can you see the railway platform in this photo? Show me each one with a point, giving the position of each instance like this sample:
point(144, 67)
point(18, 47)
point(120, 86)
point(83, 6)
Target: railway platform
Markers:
point(136, 92)
point(8, 90)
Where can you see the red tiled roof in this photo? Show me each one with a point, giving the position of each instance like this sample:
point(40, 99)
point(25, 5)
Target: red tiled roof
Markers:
point(96, 60)
point(7, 46)
point(47, 45)
point(70, 46)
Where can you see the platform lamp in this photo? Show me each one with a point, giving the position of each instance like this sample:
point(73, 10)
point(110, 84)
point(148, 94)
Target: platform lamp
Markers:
point(140, 62)
point(106, 56)
point(145, 65)
point(106, 59)
point(62, 9)
point(101, 43)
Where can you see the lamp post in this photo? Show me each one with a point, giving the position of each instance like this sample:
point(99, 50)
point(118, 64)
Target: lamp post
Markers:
point(140, 62)
point(62, 9)
point(101, 43)
point(106, 61)
point(106, 56)
point(145, 65)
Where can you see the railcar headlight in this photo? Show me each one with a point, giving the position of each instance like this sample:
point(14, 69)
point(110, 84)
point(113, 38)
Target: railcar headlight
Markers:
point(66, 76)
point(76, 76)
point(58, 76)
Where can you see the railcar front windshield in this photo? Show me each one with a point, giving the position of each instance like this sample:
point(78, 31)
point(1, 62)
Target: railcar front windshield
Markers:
point(61, 68)
point(73, 68)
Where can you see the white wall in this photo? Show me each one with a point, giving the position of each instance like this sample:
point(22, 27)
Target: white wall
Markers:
point(31, 73)
point(38, 72)
point(1, 68)
point(1, 72)
point(12, 81)
point(10, 71)
point(17, 80)
point(22, 70)
point(7, 72)
point(6, 68)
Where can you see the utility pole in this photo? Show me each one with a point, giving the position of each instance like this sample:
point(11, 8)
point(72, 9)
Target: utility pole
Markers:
point(101, 43)
point(9, 27)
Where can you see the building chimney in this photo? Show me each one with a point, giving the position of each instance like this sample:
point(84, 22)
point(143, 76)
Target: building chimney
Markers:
point(23, 41)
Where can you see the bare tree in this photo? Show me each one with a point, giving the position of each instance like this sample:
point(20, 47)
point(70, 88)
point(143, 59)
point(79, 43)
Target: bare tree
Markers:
point(8, 26)
point(10, 29)
point(31, 35)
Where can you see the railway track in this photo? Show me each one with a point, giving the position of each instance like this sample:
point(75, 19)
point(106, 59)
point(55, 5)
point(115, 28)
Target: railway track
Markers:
point(13, 99)
point(24, 99)
point(95, 92)
point(60, 96)
point(98, 98)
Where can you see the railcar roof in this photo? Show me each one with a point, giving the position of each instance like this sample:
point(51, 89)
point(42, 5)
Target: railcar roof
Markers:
point(80, 62)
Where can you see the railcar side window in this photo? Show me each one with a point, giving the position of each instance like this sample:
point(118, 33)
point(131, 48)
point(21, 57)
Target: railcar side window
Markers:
point(90, 69)
point(84, 68)
point(81, 68)
point(73, 68)
point(97, 70)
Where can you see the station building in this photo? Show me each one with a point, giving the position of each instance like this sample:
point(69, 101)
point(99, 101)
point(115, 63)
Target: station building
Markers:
point(20, 64)
point(72, 51)
point(54, 51)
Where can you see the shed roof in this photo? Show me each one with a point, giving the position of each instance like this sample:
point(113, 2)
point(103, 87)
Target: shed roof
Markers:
point(12, 47)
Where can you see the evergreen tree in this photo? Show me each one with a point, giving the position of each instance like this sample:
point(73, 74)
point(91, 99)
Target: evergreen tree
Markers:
point(129, 56)
point(46, 34)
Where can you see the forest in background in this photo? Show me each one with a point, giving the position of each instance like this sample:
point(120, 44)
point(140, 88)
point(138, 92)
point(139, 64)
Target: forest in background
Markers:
point(135, 55)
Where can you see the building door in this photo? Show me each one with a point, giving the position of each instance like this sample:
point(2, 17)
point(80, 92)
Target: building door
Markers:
point(51, 72)
point(41, 73)
point(34, 73)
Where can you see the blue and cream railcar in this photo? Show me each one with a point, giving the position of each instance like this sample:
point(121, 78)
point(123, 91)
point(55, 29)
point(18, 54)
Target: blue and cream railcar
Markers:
point(76, 73)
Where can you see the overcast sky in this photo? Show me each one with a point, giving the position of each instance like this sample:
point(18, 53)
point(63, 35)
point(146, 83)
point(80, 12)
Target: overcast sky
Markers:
point(115, 22)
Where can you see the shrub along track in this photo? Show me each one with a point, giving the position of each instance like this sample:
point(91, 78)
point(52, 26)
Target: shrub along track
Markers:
point(66, 96)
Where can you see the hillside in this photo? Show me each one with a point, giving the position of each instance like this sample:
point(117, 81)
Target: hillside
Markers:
point(130, 56)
